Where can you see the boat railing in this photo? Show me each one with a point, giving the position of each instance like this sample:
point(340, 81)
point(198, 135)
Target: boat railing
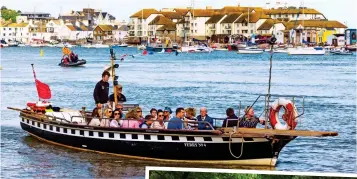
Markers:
point(272, 97)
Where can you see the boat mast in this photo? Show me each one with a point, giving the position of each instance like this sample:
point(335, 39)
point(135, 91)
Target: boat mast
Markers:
point(193, 18)
point(114, 78)
point(248, 23)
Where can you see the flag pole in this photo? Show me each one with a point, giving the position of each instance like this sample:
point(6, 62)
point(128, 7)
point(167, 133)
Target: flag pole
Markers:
point(34, 76)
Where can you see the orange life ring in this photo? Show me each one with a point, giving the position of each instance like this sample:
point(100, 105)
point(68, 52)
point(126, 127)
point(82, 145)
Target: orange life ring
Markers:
point(289, 117)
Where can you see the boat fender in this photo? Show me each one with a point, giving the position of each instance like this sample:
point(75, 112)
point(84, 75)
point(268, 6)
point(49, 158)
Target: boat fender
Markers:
point(289, 116)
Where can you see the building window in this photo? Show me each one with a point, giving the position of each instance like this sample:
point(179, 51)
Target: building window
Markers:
point(9, 28)
point(195, 31)
point(4, 34)
point(251, 31)
point(293, 15)
point(4, 28)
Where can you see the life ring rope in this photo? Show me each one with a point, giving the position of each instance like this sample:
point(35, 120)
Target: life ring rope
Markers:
point(290, 115)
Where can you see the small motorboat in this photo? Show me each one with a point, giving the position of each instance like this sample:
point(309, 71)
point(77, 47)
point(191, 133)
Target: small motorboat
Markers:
point(73, 64)
point(250, 50)
point(100, 46)
point(13, 44)
point(305, 51)
point(280, 50)
point(123, 45)
point(71, 61)
point(341, 52)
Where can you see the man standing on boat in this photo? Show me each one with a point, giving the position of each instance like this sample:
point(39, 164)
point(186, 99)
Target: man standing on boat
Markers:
point(101, 90)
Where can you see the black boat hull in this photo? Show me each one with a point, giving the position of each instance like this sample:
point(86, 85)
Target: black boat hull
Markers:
point(159, 49)
point(155, 145)
point(78, 63)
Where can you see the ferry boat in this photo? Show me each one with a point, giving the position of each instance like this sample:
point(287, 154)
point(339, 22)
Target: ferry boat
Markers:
point(216, 145)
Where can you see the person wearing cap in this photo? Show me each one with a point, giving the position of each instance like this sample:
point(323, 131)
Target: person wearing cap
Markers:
point(121, 98)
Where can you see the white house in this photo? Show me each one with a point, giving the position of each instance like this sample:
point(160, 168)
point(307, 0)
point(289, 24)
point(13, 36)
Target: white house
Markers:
point(230, 20)
point(195, 20)
point(271, 26)
point(120, 33)
point(214, 26)
point(158, 22)
point(139, 22)
point(15, 32)
point(248, 24)
point(73, 32)
point(104, 18)
point(293, 13)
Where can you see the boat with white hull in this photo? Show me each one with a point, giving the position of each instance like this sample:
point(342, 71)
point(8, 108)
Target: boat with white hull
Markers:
point(250, 50)
point(306, 51)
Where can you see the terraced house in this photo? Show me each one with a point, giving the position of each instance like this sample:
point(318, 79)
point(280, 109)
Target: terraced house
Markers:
point(14, 31)
point(231, 21)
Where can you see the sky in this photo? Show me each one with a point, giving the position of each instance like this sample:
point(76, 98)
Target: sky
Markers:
point(341, 10)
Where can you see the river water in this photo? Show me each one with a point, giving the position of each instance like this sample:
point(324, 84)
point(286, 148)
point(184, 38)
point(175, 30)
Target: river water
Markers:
point(217, 81)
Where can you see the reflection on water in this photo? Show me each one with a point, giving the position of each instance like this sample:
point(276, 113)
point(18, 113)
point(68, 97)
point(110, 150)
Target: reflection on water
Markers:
point(217, 81)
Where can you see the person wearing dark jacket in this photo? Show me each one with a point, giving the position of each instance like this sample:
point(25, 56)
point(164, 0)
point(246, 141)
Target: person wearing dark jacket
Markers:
point(121, 98)
point(204, 118)
point(230, 115)
point(101, 90)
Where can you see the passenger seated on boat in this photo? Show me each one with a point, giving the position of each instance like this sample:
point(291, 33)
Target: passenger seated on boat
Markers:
point(108, 114)
point(66, 60)
point(147, 122)
point(75, 59)
point(116, 122)
point(131, 120)
point(230, 115)
point(249, 120)
point(202, 118)
point(167, 114)
point(153, 112)
point(140, 113)
point(189, 118)
point(120, 108)
point(176, 122)
point(95, 118)
point(120, 97)
point(159, 123)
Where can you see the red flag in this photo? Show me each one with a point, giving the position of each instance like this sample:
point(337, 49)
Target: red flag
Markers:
point(43, 90)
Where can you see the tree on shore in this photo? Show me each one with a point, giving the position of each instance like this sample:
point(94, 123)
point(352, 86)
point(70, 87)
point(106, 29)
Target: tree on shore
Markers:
point(9, 13)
